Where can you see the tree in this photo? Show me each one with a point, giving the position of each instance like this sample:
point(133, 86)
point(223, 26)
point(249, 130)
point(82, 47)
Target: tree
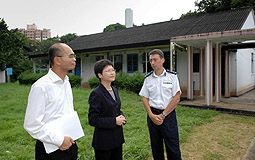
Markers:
point(45, 45)
point(31, 47)
point(113, 27)
point(68, 37)
point(39, 48)
point(190, 13)
point(211, 6)
point(11, 49)
point(243, 3)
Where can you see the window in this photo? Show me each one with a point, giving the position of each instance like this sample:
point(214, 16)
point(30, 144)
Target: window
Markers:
point(143, 60)
point(195, 62)
point(132, 62)
point(252, 62)
point(99, 57)
point(118, 61)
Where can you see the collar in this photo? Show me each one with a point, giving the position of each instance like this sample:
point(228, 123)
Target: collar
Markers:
point(55, 78)
point(163, 74)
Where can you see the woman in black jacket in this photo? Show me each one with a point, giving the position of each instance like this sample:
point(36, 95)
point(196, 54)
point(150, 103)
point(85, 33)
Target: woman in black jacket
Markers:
point(105, 114)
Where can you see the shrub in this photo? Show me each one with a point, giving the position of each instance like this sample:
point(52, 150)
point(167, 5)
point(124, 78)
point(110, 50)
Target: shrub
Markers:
point(121, 80)
point(29, 78)
point(75, 80)
point(93, 82)
point(135, 82)
point(131, 83)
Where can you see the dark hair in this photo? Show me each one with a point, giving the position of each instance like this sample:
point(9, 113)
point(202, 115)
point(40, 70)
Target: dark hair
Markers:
point(157, 51)
point(55, 50)
point(100, 65)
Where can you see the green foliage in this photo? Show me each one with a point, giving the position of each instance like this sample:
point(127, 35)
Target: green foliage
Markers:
point(190, 13)
point(31, 47)
point(212, 6)
point(43, 47)
point(18, 144)
point(243, 3)
point(121, 80)
point(131, 83)
point(35, 47)
point(93, 82)
point(113, 27)
point(11, 50)
point(28, 77)
point(74, 80)
point(68, 37)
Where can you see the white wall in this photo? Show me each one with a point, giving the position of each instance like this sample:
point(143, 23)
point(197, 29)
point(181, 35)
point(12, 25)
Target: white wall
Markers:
point(245, 78)
point(196, 80)
point(249, 23)
point(182, 71)
point(232, 72)
point(2, 77)
point(182, 68)
point(88, 66)
point(88, 62)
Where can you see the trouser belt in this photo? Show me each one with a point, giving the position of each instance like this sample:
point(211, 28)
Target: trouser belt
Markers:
point(156, 111)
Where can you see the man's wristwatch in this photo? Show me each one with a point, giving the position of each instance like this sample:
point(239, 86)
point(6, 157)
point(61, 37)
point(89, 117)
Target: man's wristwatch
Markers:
point(164, 115)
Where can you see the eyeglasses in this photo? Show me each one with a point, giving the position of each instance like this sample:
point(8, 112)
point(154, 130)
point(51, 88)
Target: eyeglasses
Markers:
point(111, 70)
point(70, 56)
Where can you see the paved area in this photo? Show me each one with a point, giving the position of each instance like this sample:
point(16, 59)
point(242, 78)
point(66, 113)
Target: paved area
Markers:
point(244, 104)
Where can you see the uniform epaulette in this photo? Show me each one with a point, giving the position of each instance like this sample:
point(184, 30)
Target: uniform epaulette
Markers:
point(167, 70)
point(147, 75)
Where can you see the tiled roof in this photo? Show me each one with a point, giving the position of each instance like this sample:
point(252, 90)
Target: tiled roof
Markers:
point(160, 33)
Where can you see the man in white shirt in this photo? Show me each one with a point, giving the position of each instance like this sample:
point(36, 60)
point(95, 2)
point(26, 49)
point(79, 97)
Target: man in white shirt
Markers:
point(50, 98)
point(161, 94)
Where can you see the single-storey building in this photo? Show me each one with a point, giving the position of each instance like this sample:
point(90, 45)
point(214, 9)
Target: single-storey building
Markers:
point(212, 53)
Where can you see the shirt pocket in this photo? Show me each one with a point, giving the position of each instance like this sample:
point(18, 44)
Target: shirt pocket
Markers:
point(167, 88)
point(152, 90)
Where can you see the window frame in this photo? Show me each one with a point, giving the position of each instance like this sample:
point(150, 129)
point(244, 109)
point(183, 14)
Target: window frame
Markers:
point(132, 65)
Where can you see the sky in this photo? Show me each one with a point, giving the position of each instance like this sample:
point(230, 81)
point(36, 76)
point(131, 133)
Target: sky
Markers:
point(85, 17)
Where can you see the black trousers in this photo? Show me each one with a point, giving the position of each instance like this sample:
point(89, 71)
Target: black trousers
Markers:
point(70, 154)
point(167, 132)
point(114, 154)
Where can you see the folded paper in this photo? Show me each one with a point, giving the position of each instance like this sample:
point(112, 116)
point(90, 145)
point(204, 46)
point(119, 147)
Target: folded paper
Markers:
point(68, 125)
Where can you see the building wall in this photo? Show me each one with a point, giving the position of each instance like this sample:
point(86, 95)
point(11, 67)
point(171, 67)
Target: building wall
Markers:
point(36, 34)
point(245, 79)
point(88, 66)
point(2, 77)
point(88, 61)
point(249, 23)
point(232, 72)
point(182, 69)
point(182, 73)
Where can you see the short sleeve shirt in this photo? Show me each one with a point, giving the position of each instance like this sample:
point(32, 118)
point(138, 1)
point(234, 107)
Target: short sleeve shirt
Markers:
point(160, 90)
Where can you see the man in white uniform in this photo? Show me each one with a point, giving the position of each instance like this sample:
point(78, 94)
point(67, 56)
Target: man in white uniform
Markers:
point(161, 94)
point(49, 99)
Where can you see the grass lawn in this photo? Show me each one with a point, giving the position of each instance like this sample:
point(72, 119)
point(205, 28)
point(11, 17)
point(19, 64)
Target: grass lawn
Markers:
point(227, 137)
point(16, 143)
